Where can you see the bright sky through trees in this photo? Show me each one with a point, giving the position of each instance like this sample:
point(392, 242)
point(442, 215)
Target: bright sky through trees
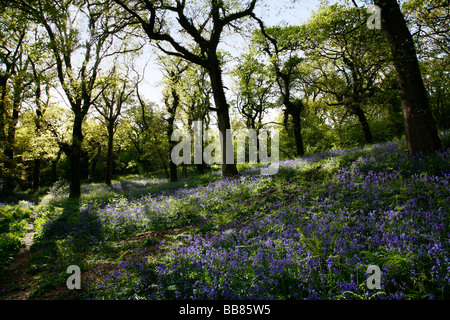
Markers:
point(273, 12)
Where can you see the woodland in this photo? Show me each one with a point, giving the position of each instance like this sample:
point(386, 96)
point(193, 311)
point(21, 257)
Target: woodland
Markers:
point(92, 93)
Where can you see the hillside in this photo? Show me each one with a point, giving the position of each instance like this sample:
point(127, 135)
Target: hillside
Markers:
point(308, 232)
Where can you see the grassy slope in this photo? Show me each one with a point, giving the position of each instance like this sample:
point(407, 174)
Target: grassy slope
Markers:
point(308, 232)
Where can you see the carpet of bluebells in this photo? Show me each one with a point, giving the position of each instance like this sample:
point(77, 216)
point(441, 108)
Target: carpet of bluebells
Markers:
point(308, 232)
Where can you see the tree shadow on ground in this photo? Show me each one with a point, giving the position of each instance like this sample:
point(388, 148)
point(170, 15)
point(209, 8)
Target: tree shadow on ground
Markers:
point(66, 239)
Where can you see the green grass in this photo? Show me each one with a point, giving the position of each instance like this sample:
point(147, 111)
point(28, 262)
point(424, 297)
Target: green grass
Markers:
point(13, 222)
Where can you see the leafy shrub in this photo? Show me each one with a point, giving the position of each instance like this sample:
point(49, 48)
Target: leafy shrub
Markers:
point(445, 139)
point(9, 244)
point(13, 220)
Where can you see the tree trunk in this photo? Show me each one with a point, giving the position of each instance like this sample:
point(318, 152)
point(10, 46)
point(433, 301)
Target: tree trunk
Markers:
point(295, 110)
point(75, 158)
point(36, 173)
point(364, 124)
point(54, 164)
point(173, 177)
point(94, 162)
point(10, 179)
point(201, 167)
point(420, 129)
point(11, 135)
point(297, 126)
point(37, 161)
point(184, 170)
point(3, 89)
point(253, 126)
point(166, 170)
point(109, 156)
point(164, 164)
point(223, 117)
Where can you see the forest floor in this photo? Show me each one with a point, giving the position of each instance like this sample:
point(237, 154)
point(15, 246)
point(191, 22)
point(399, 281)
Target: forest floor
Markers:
point(18, 284)
point(309, 232)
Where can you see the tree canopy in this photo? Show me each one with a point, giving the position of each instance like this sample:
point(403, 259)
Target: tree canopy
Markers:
point(72, 103)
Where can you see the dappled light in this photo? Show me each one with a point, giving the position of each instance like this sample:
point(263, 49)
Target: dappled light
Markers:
point(224, 150)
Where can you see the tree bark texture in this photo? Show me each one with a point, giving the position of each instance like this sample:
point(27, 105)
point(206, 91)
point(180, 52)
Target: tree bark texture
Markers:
point(420, 129)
